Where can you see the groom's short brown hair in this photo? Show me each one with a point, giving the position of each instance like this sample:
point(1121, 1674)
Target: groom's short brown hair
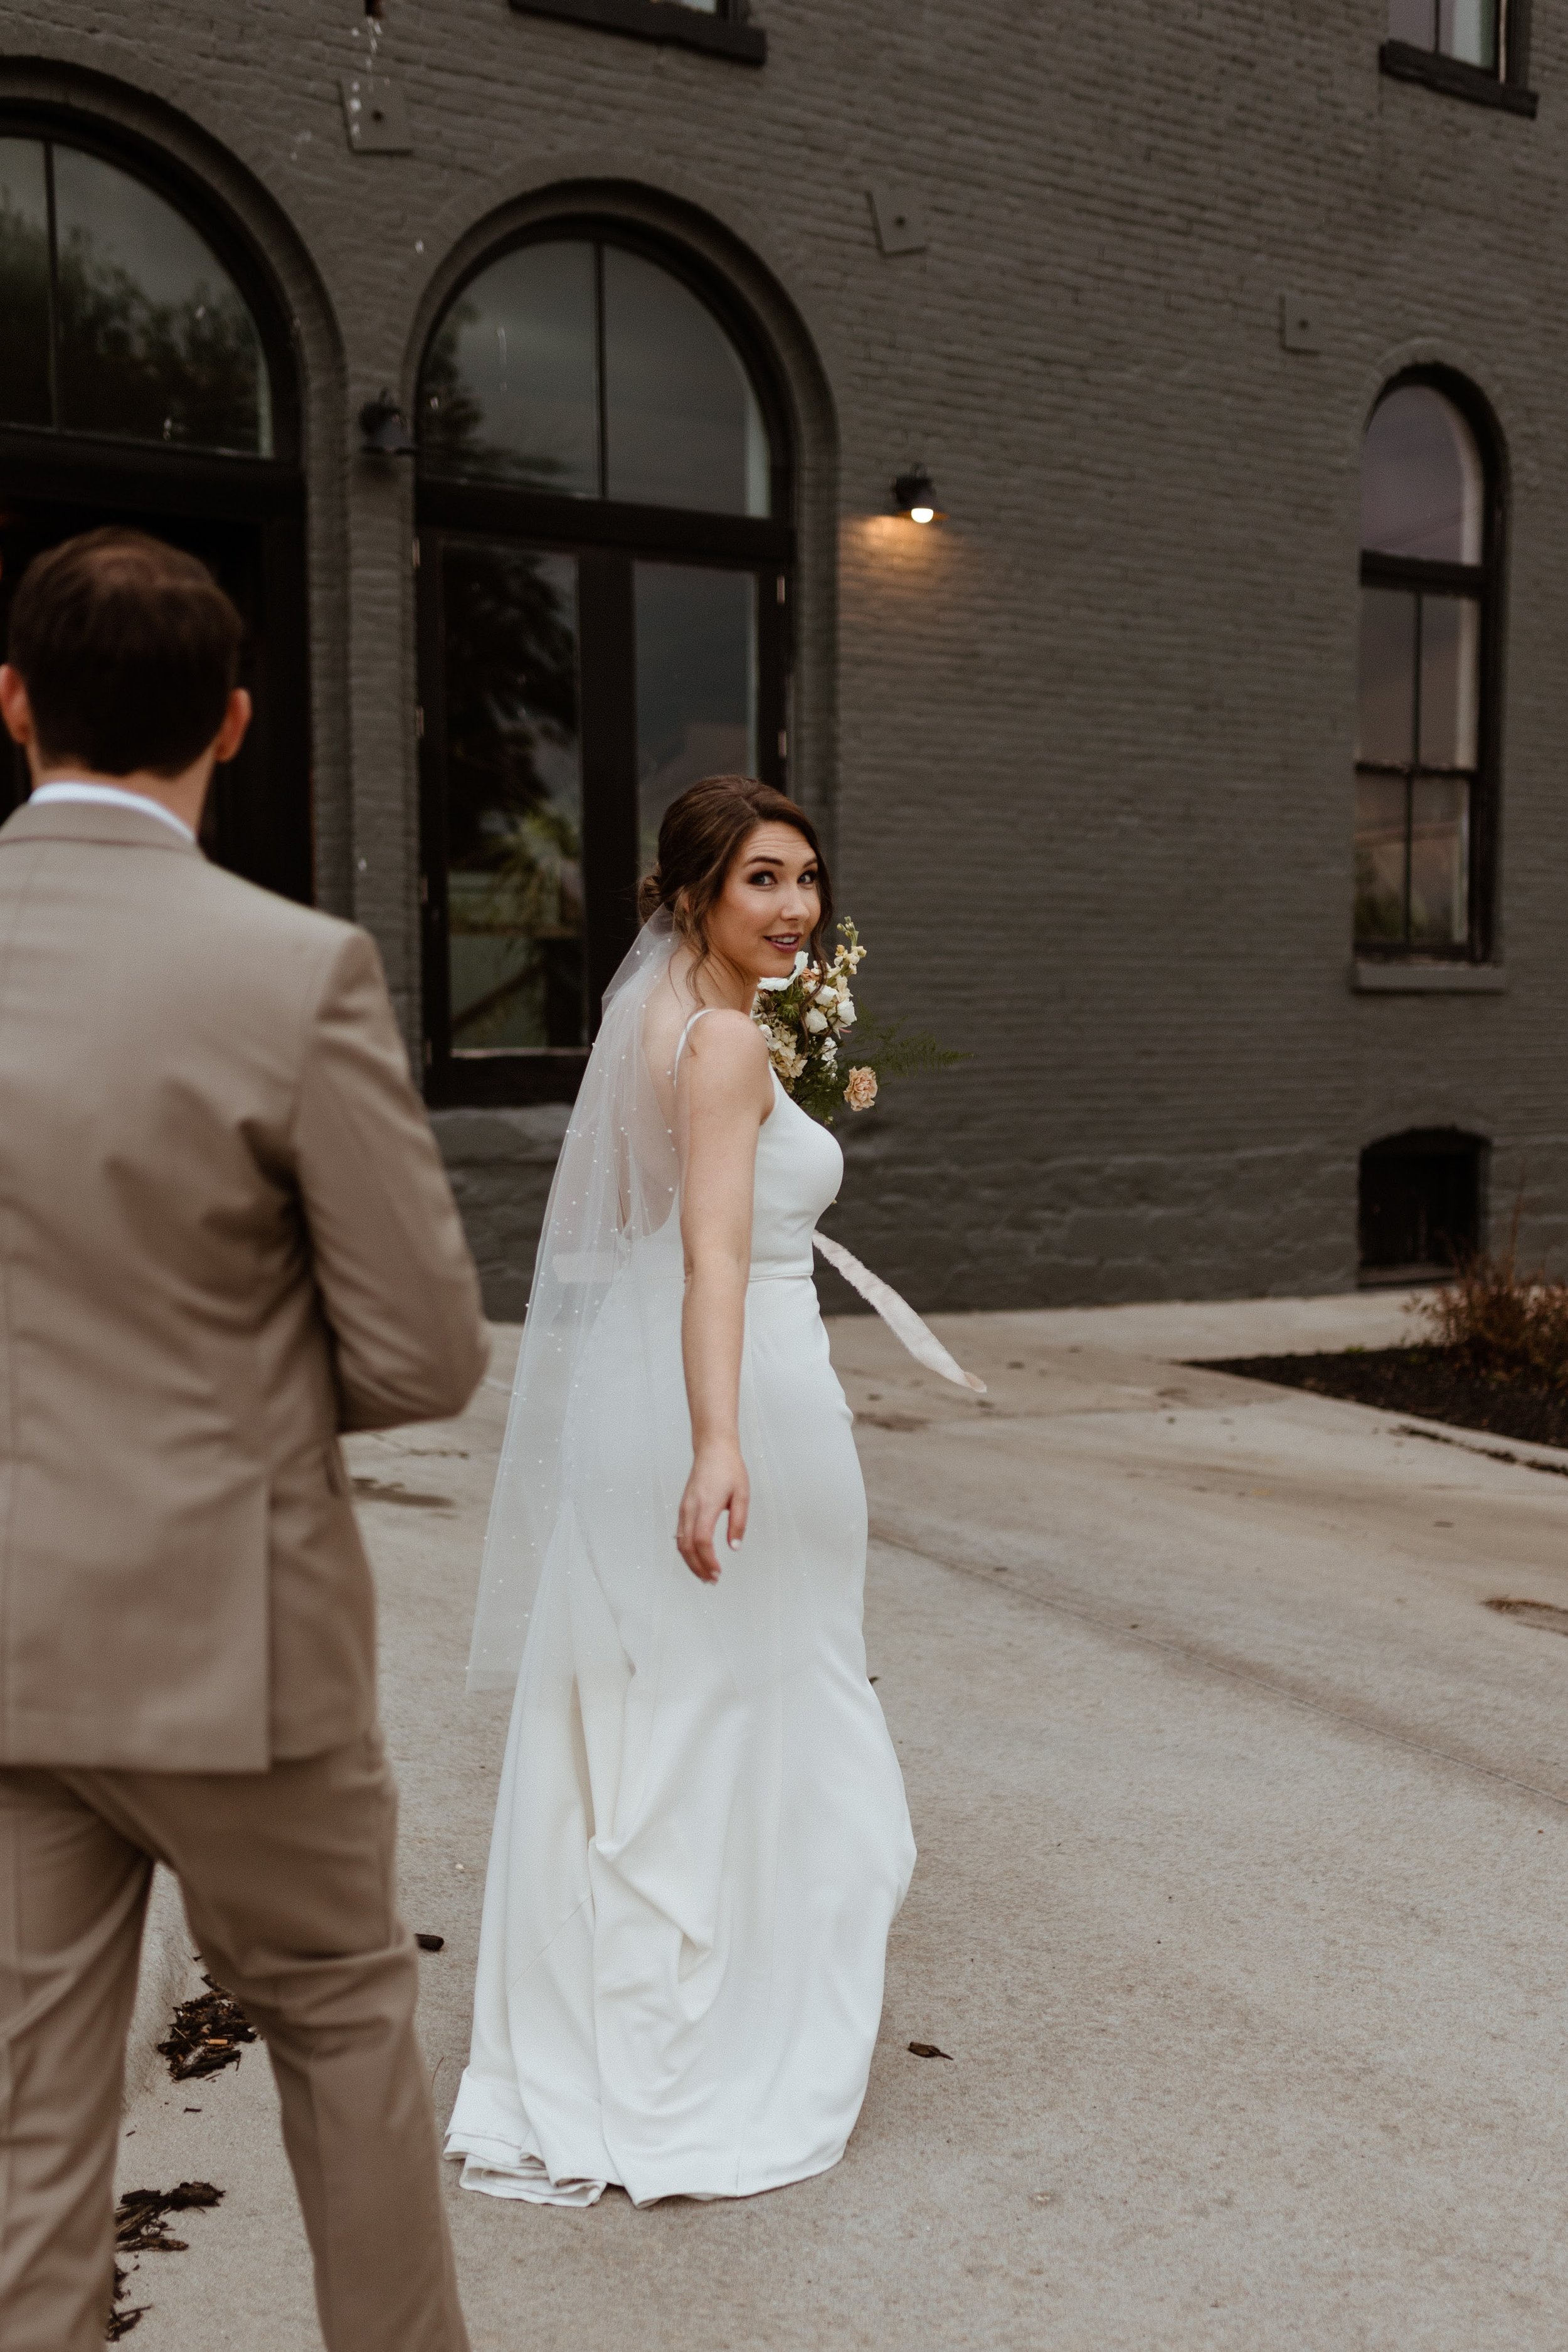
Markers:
point(129, 651)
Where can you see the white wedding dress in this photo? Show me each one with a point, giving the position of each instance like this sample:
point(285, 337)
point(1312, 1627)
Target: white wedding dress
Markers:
point(701, 1839)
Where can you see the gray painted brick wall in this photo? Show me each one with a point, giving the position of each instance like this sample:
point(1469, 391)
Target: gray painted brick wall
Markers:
point(1087, 746)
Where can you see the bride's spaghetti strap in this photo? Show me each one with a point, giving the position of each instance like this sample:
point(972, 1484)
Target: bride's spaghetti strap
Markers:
point(685, 1033)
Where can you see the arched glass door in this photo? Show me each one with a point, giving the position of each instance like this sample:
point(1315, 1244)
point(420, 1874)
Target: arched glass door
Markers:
point(605, 566)
point(144, 381)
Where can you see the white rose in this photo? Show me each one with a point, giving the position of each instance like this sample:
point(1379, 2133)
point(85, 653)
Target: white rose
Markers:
point(815, 1022)
point(847, 1013)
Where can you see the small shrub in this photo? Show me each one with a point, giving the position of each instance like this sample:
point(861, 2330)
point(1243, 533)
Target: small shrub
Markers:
point(1504, 1325)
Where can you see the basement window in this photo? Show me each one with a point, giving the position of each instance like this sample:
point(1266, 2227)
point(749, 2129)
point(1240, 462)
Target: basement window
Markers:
point(1420, 1208)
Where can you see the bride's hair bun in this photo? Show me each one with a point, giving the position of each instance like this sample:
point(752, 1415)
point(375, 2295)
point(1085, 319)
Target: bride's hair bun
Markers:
point(701, 835)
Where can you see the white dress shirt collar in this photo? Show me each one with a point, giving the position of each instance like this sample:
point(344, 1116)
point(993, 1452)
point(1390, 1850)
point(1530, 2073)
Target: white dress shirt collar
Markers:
point(107, 796)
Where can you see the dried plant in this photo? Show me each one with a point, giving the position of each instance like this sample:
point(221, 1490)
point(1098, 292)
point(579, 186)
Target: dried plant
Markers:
point(1503, 1324)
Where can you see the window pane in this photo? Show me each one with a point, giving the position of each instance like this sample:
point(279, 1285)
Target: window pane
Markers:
point(1380, 807)
point(1413, 20)
point(1421, 481)
point(1468, 30)
point(24, 284)
point(155, 342)
point(510, 387)
point(697, 683)
point(515, 799)
point(1450, 671)
point(683, 427)
point(1439, 862)
point(1386, 732)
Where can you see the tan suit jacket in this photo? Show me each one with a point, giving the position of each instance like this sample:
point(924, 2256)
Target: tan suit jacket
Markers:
point(225, 1235)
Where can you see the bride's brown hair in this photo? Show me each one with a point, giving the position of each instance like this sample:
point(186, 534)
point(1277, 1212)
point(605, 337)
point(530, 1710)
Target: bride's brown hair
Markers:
point(703, 835)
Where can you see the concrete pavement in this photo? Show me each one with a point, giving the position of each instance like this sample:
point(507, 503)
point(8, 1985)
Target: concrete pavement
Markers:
point(1240, 1905)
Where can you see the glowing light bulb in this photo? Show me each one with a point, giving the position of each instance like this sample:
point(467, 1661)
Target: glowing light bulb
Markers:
point(914, 494)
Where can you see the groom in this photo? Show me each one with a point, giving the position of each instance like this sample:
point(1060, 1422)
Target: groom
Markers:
point(225, 1237)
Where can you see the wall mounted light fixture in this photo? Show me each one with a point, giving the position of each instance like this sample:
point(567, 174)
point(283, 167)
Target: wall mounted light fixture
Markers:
point(914, 494)
point(385, 429)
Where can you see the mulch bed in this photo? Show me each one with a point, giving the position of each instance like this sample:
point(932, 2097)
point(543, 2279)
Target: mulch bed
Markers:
point(1435, 1383)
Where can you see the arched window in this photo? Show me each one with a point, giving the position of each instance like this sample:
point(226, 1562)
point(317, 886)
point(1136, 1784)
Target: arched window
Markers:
point(120, 317)
point(146, 379)
point(604, 559)
point(1425, 764)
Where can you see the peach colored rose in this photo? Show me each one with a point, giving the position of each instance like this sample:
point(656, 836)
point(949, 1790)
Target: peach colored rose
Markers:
point(861, 1091)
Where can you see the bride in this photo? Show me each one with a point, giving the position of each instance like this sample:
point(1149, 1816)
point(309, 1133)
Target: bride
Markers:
point(701, 1838)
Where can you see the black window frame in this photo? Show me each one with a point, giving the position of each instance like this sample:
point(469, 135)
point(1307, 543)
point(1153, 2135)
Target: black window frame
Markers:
point(108, 476)
point(608, 537)
point(197, 206)
point(1483, 582)
point(726, 33)
point(1506, 85)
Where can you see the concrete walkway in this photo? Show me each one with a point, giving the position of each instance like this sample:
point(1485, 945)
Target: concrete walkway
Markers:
point(1241, 1900)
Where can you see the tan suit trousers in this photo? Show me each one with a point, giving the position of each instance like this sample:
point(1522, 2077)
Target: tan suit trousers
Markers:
point(287, 1881)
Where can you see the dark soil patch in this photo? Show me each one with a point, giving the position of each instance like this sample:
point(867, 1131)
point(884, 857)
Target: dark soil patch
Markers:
point(141, 2226)
point(1544, 1615)
point(123, 2315)
point(1435, 1383)
point(206, 2035)
point(381, 1490)
point(142, 2216)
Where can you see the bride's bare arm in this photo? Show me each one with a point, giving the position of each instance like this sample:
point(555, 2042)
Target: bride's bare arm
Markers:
point(728, 1094)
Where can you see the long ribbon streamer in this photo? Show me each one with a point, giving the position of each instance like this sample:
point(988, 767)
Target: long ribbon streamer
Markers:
point(897, 1314)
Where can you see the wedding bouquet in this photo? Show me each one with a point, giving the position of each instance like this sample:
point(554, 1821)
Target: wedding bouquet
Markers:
point(806, 1019)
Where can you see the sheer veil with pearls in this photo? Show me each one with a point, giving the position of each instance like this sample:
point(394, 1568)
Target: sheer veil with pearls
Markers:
point(614, 1185)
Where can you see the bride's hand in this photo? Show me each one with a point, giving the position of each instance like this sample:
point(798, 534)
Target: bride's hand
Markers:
point(718, 1483)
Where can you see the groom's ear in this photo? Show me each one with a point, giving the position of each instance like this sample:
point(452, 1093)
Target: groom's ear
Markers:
point(15, 707)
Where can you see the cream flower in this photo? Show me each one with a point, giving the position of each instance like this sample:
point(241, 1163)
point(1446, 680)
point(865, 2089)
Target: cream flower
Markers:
point(847, 1013)
point(816, 1020)
point(861, 1091)
point(800, 960)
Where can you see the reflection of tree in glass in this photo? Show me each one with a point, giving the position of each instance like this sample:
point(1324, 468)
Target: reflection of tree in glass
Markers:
point(25, 306)
point(188, 371)
point(533, 901)
point(451, 415)
point(1379, 908)
point(512, 702)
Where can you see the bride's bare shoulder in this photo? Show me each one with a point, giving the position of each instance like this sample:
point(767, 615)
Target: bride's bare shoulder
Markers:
point(726, 1039)
point(725, 1049)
